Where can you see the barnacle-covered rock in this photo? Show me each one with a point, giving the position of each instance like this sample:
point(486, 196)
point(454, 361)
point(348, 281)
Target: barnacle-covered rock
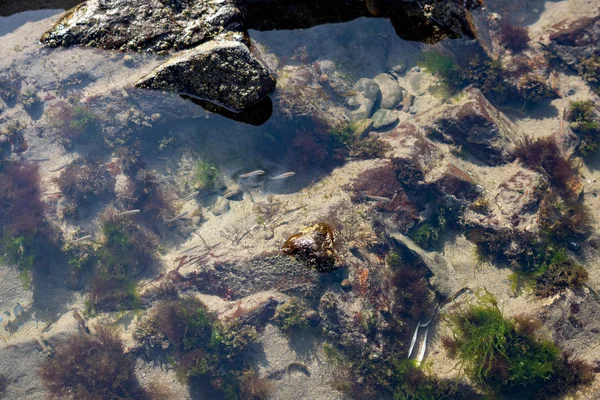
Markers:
point(222, 72)
point(314, 247)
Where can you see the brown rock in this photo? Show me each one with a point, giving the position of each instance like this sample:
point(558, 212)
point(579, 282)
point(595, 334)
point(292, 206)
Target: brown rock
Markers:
point(479, 127)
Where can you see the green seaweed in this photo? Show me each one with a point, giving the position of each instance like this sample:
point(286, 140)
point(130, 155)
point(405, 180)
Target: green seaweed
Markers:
point(502, 359)
point(206, 175)
point(291, 315)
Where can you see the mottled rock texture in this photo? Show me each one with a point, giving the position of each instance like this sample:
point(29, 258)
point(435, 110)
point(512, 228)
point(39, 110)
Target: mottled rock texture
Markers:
point(222, 72)
point(161, 26)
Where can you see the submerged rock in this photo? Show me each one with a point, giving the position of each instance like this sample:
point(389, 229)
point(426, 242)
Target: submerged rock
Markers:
point(384, 119)
point(313, 246)
point(366, 94)
point(391, 92)
point(479, 127)
point(222, 72)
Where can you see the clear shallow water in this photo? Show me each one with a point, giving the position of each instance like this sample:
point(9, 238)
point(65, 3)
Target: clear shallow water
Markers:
point(77, 106)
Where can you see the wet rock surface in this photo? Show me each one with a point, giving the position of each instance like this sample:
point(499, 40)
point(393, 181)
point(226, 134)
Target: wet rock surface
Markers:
point(366, 94)
point(222, 72)
point(477, 126)
point(164, 27)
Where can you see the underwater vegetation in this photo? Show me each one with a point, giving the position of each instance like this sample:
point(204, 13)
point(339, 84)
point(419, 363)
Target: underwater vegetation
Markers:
point(515, 38)
point(589, 70)
point(429, 233)
point(206, 176)
point(91, 367)
point(291, 315)
point(544, 155)
point(585, 124)
point(127, 250)
point(84, 185)
point(73, 123)
point(501, 359)
point(201, 348)
point(469, 66)
point(154, 200)
point(25, 236)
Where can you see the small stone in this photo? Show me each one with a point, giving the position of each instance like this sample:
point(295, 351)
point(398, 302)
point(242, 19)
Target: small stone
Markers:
point(384, 119)
point(479, 189)
point(155, 117)
point(128, 60)
point(413, 110)
point(574, 246)
point(367, 92)
point(362, 128)
point(391, 92)
point(374, 357)
point(346, 285)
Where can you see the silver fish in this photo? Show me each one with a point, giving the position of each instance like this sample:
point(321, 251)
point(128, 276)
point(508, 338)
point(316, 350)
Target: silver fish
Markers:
point(178, 216)
point(166, 178)
point(253, 173)
point(130, 212)
point(413, 341)
point(81, 239)
point(52, 193)
point(283, 176)
point(423, 347)
point(378, 198)
point(56, 169)
point(230, 193)
point(190, 196)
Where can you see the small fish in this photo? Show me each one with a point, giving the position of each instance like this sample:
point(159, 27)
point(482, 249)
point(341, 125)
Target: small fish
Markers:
point(413, 341)
point(283, 176)
point(253, 173)
point(81, 239)
point(166, 178)
point(56, 169)
point(378, 198)
point(230, 193)
point(38, 159)
point(190, 196)
point(178, 216)
point(423, 347)
point(52, 193)
point(130, 212)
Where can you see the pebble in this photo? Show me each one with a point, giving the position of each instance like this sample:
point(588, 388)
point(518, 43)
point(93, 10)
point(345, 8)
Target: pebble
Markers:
point(128, 60)
point(346, 285)
point(384, 119)
point(362, 102)
point(391, 92)
point(18, 310)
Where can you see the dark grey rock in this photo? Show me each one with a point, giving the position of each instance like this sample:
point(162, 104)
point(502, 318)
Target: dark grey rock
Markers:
point(222, 72)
